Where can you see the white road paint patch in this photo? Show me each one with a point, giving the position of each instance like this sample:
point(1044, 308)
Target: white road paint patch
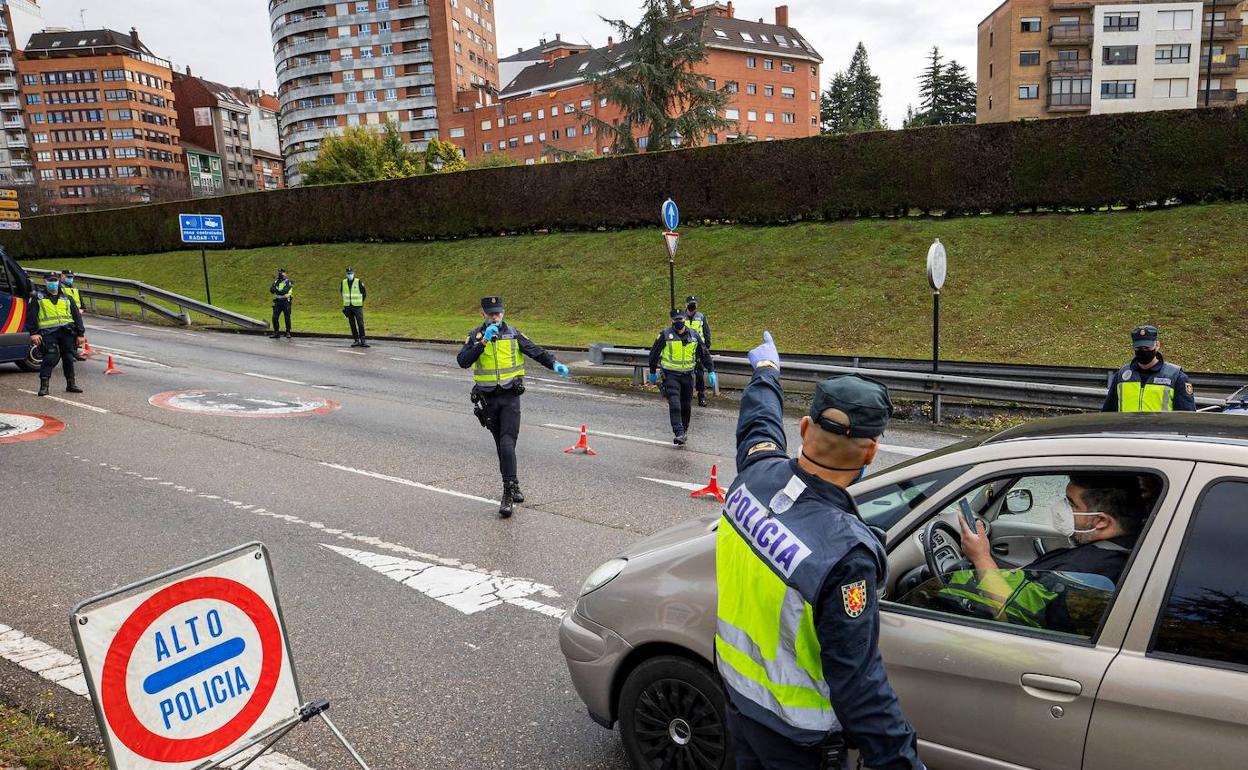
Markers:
point(117, 350)
point(18, 424)
point(677, 484)
point(908, 451)
point(88, 407)
point(409, 483)
point(107, 330)
point(65, 670)
point(350, 352)
point(274, 379)
point(407, 360)
point(620, 436)
point(468, 591)
point(136, 359)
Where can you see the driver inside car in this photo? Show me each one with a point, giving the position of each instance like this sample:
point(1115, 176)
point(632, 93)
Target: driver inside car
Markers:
point(1102, 514)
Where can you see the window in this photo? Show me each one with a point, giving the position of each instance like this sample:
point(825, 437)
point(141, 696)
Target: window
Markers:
point(1119, 54)
point(1174, 20)
point(788, 117)
point(352, 97)
point(487, 147)
point(752, 89)
point(34, 99)
point(768, 64)
point(722, 35)
point(751, 115)
point(1122, 22)
point(769, 117)
point(751, 62)
point(1118, 89)
point(1028, 58)
point(486, 125)
point(528, 139)
point(361, 6)
point(710, 84)
point(1173, 54)
point(1170, 88)
point(1029, 92)
point(1029, 24)
point(769, 90)
point(888, 505)
point(787, 66)
point(457, 133)
point(386, 50)
point(1207, 604)
point(570, 132)
point(787, 93)
point(732, 114)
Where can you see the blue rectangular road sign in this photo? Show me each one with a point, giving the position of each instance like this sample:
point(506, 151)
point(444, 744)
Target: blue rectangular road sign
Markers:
point(202, 228)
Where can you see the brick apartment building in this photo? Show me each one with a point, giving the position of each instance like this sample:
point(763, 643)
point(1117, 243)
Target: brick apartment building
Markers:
point(770, 70)
point(1051, 58)
point(266, 146)
point(211, 116)
point(369, 62)
point(102, 119)
point(15, 163)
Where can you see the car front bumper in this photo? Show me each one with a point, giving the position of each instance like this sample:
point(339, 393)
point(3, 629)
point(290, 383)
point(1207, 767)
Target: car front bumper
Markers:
point(594, 654)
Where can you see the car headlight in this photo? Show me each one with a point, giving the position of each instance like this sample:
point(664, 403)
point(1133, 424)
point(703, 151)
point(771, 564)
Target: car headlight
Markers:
point(603, 575)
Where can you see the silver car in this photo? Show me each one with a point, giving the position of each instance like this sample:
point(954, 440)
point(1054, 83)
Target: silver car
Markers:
point(1149, 671)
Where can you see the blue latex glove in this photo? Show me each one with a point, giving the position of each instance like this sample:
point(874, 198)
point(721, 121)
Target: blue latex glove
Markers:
point(765, 352)
point(654, 378)
point(562, 370)
point(714, 380)
point(491, 332)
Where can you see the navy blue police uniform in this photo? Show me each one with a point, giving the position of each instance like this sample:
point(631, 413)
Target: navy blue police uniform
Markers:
point(678, 372)
point(1160, 387)
point(60, 340)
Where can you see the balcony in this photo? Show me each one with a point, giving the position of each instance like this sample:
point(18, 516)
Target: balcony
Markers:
point(1224, 64)
point(1218, 96)
point(1071, 34)
point(10, 104)
point(8, 84)
point(1069, 68)
point(17, 141)
point(5, 45)
point(17, 162)
point(1076, 5)
point(1069, 102)
point(1230, 29)
point(6, 64)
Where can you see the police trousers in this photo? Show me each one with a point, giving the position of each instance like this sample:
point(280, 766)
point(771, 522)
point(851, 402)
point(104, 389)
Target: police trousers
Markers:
point(502, 409)
point(355, 315)
point(757, 747)
point(281, 307)
point(678, 388)
point(699, 378)
point(58, 344)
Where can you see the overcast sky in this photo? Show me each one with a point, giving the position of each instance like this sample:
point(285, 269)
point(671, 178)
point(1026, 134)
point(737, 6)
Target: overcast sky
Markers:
point(228, 40)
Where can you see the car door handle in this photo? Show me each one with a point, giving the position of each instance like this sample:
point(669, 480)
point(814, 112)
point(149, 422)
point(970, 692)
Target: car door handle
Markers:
point(1038, 545)
point(1050, 684)
point(1001, 548)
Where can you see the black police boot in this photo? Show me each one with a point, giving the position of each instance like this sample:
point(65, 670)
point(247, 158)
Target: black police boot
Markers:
point(701, 399)
point(680, 440)
point(506, 509)
point(43, 385)
point(71, 386)
point(364, 344)
point(516, 495)
point(288, 336)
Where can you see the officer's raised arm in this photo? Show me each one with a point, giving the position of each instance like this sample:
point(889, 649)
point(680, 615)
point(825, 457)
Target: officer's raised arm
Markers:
point(760, 426)
point(471, 350)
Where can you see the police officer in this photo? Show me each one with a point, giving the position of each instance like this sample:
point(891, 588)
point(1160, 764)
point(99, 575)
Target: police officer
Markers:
point(353, 296)
point(1149, 383)
point(791, 550)
point(56, 326)
point(495, 350)
point(697, 321)
point(679, 349)
point(67, 288)
point(283, 291)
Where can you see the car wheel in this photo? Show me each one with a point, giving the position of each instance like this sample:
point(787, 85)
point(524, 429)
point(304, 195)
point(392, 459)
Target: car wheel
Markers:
point(32, 360)
point(672, 716)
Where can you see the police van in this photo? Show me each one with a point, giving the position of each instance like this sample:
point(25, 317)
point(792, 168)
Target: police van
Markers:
point(15, 291)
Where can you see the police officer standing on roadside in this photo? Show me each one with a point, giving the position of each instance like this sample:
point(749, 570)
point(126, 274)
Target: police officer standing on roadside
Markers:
point(353, 296)
point(55, 324)
point(1149, 383)
point(792, 551)
point(495, 351)
point(67, 288)
point(697, 321)
point(679, 350)
point(283, 291)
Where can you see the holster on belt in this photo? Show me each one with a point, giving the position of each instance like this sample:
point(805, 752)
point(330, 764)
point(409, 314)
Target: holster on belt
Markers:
point(478, 408)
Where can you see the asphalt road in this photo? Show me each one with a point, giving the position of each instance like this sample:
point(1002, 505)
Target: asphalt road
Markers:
point(399, 470)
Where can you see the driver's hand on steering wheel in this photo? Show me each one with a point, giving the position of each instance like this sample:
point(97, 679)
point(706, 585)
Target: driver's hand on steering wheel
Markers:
point(976, 546)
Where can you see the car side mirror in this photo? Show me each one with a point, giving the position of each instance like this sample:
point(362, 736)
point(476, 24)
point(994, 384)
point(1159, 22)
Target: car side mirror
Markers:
point(1018, 501)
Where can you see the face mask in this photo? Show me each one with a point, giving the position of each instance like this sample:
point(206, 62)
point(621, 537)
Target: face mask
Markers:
point(350, 276)
point(678, 325)
point(1064, 519)
point(1143, 357)
point(53, 285)
point(68, 281)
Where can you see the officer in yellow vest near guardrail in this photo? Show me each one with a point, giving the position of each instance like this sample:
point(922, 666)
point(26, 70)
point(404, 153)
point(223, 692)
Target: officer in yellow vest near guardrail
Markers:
point(495, 351)
point(679, 350)
point(353, 296)
point(67, 288)
point(1149, 383)
point(283, 291)
point(698, 322)
point(55, 324)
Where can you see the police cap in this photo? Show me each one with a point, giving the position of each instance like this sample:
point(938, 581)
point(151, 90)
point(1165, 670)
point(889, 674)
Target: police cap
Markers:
point(1144, 336)
point(679, 315)
point(67, 273)
point(691, 300)
point(492, 304)
point(864, 400)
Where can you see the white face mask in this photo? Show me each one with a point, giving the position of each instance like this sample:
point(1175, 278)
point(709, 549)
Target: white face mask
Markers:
point(1064, 519)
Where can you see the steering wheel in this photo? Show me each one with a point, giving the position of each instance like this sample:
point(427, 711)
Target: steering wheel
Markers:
point(953, 543)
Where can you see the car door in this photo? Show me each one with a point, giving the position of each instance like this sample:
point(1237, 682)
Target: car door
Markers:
point(982, 692)
point(1177, 695)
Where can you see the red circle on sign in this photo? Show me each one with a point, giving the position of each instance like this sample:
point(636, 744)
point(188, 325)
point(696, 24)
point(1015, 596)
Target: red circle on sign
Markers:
point(116, 702)
point(51, 426)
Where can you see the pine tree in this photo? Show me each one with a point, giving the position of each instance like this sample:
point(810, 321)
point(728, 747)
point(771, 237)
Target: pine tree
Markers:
point(852, 101)
point(960, 93)
point(946, 94)
point(833, 118)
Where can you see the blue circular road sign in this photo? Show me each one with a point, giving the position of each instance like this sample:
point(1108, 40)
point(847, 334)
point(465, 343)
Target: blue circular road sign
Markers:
point(671, 214)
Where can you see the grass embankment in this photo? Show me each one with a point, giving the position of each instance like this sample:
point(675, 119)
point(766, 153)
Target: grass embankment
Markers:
point(25, 742)
point(1054, 289)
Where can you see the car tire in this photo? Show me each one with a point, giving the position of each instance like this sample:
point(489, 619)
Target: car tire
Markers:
point(30, 363)
point(672, 715)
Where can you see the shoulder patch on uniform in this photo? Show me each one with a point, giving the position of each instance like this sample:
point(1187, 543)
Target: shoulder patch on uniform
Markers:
point(1126, 375)
point(1190, 391)
point(480, 336)
point(762, 446)
point(854, 595)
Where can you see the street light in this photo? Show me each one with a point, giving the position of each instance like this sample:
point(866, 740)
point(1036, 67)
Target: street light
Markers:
point(1213, 14)
point(675, 138)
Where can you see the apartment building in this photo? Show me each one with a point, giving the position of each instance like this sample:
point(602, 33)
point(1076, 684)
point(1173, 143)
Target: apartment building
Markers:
point(213, 117)
point(16, 168)
point(1050, 58)
point(770, 70)
point(270, 171)
point(370, 62)
point(102, 120)
point(204, 171)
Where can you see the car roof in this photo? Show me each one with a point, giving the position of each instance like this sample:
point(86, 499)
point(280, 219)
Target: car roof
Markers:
point(1175, 426)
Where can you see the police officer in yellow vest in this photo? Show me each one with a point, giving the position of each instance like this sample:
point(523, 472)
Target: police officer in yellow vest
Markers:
point(495, 351)
point(698, 322)
point(283, 291)
point(67, 288)
point(1149, 383)
point(353, 296)
point(679, 350)
point(799, 580)
point(55, 323)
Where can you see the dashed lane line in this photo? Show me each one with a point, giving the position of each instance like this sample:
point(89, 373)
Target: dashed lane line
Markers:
point(67, 401)
point(678, 484)
point(410, 483)
point(274, 379)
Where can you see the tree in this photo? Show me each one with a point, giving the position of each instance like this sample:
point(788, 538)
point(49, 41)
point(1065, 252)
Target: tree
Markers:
point(852, 101)
point(360, 154)
point(960, 91)
point(946, 94)
point(493, 160)
point(651, 77)
point(833, 115)
point(443, 157)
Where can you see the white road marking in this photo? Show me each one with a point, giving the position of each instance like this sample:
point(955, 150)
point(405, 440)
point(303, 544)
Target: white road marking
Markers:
point(65, 670)
point(350, 352)
point(677, 484)
point(67, 401)
point(408, 360)
point(117, 350)
point(275, 379)
point(409, 483)
point(468, 591)
point(620, 436)
point(107, 330)
point(908, 451)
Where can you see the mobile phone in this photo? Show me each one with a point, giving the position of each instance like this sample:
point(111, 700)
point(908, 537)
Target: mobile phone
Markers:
point(968, 516)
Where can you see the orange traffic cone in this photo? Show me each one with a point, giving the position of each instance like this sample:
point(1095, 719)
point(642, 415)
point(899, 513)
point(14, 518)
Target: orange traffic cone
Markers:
point(87, 350)
point(582, 444)
point(712, 489)
point(112, 369)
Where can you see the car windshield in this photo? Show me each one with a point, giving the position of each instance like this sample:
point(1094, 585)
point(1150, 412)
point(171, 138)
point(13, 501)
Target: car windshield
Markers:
point(887, 505)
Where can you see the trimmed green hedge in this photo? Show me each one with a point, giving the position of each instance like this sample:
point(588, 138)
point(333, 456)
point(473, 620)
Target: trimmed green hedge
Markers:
point(1075, 163)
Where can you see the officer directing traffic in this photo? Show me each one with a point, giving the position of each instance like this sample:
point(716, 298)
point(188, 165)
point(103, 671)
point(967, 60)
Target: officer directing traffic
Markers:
point(698, 322)
point(283, 291)
point(57, 328)
point(353, 296)
point(67, 288)
point(799, 581)
point(679, 350)
point(496, 350)
point(1149, 383)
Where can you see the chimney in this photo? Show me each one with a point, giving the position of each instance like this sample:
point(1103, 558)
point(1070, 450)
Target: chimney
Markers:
point(558, 36)
point(782, 15)
point(610, 43)
point(731, 11)
point(188, 71)
point(134, 39)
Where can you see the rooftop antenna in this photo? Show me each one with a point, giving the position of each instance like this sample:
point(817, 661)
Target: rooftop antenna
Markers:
point(82, 17)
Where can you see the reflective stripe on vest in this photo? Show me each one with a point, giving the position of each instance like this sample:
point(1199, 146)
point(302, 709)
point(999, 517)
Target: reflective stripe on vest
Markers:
point(766, 647)
point(679, 356)
point(54, 314)
point(73, 294)
point(1134, 397)
point(351, 294)
point(290, 291)
point(697, 323)
point(1025, 605)
point(500, 362)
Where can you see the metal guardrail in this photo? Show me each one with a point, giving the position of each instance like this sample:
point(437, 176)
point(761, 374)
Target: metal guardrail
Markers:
point(99, 289)
point(928, 384)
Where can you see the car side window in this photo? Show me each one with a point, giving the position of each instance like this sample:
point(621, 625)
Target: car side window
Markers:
point(1205, 616)
point(889, 504)
point(1031, 500)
